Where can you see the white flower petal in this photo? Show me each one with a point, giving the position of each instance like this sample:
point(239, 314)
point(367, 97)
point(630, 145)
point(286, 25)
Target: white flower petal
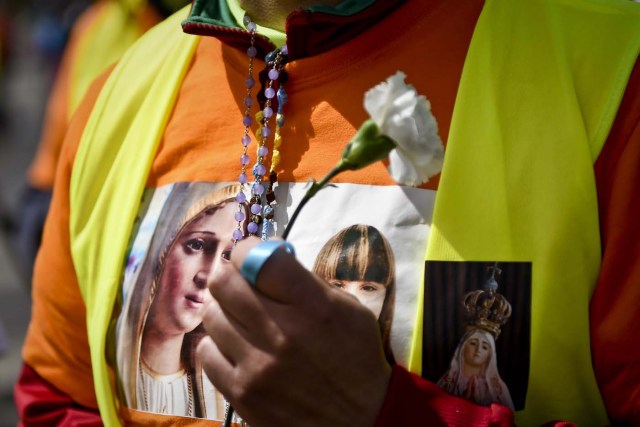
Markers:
point(378, 100)
point(406, 118)
point(401, 171)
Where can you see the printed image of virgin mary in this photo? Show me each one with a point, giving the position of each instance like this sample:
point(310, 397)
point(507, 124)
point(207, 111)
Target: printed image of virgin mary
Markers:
point(163, 374)
point(359, 260)
point(473, 373)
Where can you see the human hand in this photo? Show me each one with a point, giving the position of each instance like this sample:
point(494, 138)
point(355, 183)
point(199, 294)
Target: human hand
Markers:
point(293, 351)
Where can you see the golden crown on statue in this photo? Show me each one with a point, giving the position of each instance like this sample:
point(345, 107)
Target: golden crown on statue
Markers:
point(487, 308)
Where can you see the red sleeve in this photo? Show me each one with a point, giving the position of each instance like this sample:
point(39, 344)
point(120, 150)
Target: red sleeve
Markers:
point(615, 304)
point(40, 404)
point(412, 400)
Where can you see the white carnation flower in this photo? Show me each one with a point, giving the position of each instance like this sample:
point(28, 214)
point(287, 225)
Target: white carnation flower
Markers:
point(406, 118)
point(401, 128)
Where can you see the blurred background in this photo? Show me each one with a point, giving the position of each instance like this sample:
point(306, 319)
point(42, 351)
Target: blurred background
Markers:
point(33, 34)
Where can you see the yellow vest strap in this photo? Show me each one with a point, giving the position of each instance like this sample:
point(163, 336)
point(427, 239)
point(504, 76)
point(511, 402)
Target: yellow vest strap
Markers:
point(109, 175)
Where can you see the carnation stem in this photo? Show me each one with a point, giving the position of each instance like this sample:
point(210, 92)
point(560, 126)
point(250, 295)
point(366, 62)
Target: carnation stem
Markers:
point(315, 187)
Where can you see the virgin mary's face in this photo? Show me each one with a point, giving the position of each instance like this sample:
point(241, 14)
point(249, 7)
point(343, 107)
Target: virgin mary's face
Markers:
point(477, 350)
point(183, 295)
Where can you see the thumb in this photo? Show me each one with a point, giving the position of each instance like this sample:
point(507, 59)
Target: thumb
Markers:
point(280, 276)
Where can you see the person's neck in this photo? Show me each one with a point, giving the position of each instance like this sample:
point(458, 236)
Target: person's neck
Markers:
point(273, 13)
point(161, 352)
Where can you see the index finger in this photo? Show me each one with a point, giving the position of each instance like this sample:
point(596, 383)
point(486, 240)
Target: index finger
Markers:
point(281, 277)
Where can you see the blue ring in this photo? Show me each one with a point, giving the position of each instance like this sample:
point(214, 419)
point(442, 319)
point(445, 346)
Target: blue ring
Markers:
point(258, 255)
